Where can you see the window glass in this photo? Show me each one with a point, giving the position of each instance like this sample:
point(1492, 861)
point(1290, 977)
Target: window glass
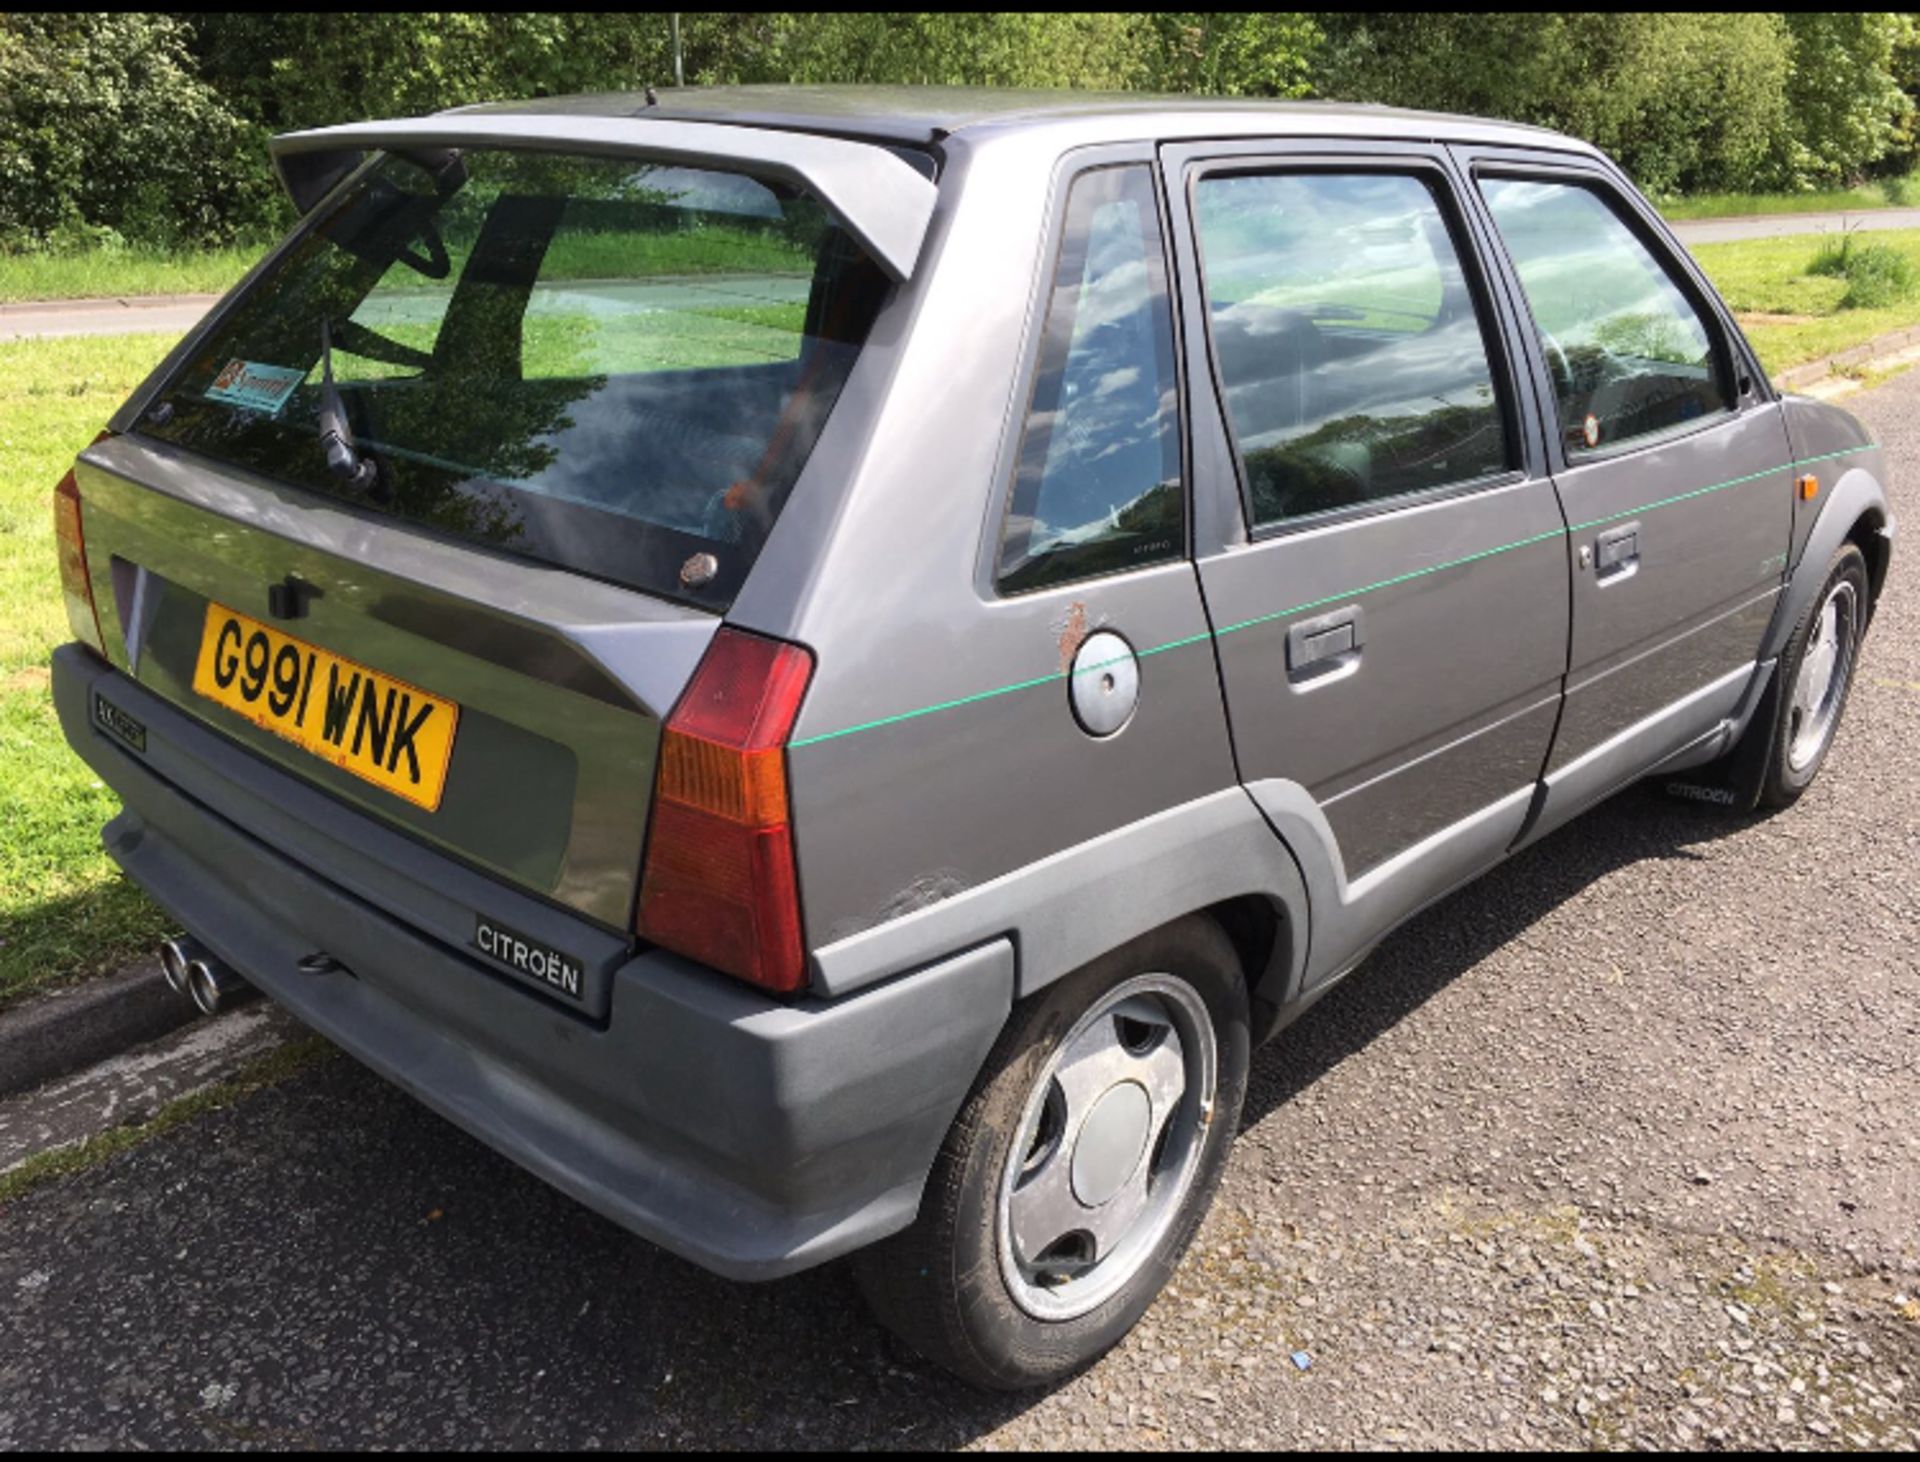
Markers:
point(609, 365)
point(1097, 489)
point(1348, 343)
point(1627, 351)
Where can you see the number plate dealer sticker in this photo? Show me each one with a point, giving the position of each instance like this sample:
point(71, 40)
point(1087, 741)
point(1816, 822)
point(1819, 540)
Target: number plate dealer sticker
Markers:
point(380, 729)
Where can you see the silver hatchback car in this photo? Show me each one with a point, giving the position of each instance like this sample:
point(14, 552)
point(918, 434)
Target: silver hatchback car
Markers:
point(817, 667)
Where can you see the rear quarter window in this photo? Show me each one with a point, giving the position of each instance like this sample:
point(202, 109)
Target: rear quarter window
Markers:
point(1097, 487)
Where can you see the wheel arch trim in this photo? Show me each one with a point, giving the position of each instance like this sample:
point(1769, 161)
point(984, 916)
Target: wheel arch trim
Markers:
point(1068, 909)
point(1855, 511)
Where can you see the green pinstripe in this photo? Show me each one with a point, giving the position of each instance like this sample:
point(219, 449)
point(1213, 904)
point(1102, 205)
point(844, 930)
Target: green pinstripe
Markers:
point(1291, 610)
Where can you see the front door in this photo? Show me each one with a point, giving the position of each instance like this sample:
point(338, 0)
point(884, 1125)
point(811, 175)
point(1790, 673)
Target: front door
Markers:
point(1672, 463)
point(1383, 556)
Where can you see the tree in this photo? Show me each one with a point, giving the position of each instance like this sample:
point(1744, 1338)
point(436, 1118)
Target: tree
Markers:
point(932, 48)
point(1847, 105)
point(1237, 53)
point(107, 130)
point(1682, 100)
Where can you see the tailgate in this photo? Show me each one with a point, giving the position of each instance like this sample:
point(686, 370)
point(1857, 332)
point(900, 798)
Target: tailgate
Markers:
point(555, 684)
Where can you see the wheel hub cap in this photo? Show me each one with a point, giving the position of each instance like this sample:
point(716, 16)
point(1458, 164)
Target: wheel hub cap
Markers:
point(1111, 1144)
point(1822, 681)
point(1108, 1147)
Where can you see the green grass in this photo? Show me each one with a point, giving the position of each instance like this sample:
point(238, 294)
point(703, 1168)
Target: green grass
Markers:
point(563, 345)
point(1836, 200)
point(64, 909)
point(709, 250)
point(109, 273)
point(1877, 275)
point(1776, 277)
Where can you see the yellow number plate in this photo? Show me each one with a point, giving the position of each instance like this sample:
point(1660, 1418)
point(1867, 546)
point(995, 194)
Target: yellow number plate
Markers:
point(390, 733)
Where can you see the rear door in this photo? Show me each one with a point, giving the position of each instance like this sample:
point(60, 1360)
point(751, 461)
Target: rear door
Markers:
point(1385, 564)
point(1671, 460)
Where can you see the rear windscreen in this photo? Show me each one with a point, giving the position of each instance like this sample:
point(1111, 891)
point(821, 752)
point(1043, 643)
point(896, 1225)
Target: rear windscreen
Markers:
point(613, 366)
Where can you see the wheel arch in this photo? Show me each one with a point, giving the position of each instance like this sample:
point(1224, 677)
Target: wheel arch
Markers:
point(1270, 939)
point(1855, 511)
point(1216, 856)
point(1871, 534)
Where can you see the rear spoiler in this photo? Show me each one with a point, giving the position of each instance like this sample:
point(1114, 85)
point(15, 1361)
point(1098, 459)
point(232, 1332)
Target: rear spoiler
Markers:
point(876, 196)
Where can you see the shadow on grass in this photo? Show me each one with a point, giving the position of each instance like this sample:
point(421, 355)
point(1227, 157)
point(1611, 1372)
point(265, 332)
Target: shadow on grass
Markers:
point(55, 942)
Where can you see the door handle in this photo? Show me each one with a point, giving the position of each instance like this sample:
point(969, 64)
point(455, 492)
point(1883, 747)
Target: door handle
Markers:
point(1326, 646)
point(1616, 553)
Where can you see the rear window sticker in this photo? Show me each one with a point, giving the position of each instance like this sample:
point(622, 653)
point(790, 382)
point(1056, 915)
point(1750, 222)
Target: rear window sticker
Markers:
point(257, 387)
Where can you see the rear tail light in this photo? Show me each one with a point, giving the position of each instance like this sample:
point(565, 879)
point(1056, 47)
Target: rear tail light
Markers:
point(71, 543)
point(719, 884)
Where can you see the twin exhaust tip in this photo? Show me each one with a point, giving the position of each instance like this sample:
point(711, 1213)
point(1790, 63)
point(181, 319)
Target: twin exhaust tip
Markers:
point(193, 971)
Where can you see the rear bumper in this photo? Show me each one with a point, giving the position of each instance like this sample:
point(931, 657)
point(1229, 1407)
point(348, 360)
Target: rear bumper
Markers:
point(753, 1137)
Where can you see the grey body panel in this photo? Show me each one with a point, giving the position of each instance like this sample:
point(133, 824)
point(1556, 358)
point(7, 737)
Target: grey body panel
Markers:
point(750, 1136)
point(1700, 719)
point(1351, 915)
point(926, 676)
point(1452, 704)
point(960, 840)
point(882, 201)
point(1077, 904)
point(1835, 447)
point(1712, 513)
point(1706, 510)
point(562, 681)
point(1722, 738)
point(1448, 704)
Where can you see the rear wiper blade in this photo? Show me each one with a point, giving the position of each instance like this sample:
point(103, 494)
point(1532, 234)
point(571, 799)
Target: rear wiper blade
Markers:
point(344, 460)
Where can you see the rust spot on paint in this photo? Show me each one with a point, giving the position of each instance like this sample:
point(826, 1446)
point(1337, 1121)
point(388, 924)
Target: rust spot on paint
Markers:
point(1072, 633)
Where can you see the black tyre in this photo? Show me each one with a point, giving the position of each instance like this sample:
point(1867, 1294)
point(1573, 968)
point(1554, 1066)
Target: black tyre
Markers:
point(1078, 1169)
point(1815, 674)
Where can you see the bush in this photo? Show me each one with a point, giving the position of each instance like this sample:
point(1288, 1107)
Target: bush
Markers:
point(1877, 275)
point(108, 133)
point(1830, 260)
point(1847, 108)
point(150, 128)
point(1685, 102)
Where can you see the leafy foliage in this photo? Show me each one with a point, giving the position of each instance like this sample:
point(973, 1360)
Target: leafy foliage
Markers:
point(108, 133)
point(1847, 106)
point(1877, 275)
point(1683, 101)
point(150, 128)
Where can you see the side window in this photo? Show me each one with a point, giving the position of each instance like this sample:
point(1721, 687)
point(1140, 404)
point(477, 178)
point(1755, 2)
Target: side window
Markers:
point(1628, 353)
point(1348, 340)
point(1097, 488)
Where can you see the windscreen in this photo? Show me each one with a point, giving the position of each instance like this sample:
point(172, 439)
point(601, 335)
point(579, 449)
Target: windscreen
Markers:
point(615, 366)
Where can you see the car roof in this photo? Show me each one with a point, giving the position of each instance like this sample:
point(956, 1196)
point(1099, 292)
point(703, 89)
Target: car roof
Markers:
point(919, 115)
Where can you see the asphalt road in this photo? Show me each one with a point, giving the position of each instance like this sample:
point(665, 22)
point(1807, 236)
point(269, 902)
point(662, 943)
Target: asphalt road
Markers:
point(1615, 1147)
point(173, 314)
point(1778, 225)
point(177, 314)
